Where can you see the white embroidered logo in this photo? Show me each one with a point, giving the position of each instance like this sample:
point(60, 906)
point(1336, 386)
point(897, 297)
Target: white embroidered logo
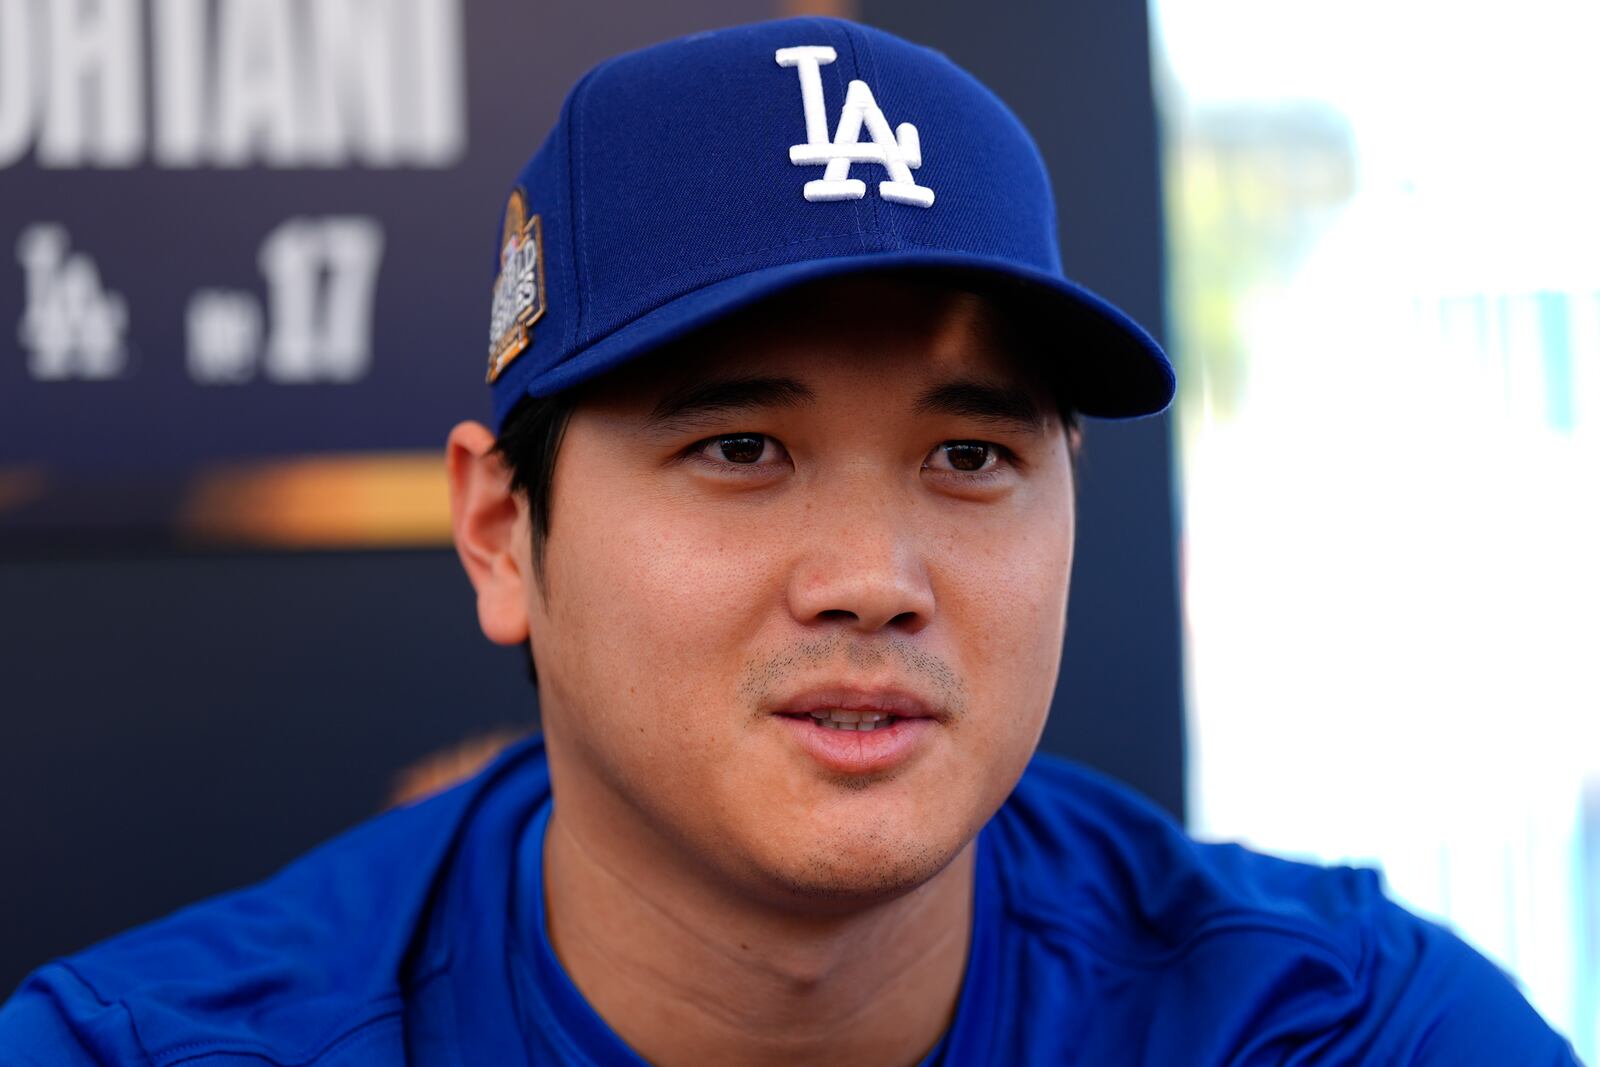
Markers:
point(896, 152)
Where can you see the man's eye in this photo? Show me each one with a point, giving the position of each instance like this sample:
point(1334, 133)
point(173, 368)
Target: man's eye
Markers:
point(964, 456)
point(741, 448)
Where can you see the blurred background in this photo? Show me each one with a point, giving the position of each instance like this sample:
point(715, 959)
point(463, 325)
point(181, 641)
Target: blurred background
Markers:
point(1341, 603)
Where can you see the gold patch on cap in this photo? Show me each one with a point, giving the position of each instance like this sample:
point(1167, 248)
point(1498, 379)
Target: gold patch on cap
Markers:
point(519, 288)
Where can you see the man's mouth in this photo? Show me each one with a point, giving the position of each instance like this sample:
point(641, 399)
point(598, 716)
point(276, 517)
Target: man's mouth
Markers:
point(839, 706)
point(861, 721)
point(885, 727)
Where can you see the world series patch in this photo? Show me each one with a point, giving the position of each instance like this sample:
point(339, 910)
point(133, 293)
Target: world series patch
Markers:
point(519, 288)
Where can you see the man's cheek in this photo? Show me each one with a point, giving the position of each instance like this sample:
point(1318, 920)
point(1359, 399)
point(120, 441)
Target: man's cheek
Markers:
point(705, 582)
point(665, 609)
point(1009, 644)
point(1006, 616)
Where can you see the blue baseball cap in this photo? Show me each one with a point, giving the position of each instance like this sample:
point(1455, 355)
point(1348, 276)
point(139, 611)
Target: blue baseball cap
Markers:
point(694, 178)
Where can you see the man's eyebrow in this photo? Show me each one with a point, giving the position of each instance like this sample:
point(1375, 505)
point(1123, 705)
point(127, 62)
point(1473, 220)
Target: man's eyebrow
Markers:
point(986, 401)
point(721, 395)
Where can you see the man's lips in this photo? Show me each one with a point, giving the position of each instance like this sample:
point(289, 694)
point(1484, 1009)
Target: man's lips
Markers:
point(897, 703)
point(859, 731)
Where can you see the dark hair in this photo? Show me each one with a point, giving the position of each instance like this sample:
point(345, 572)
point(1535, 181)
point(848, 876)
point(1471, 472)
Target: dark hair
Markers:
point(528, 442)
point(529, 439)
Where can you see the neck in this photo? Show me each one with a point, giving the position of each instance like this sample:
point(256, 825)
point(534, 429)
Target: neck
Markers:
point(687, 971)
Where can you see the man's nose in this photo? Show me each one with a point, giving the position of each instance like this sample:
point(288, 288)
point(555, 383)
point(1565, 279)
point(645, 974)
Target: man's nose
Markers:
point(863, 567)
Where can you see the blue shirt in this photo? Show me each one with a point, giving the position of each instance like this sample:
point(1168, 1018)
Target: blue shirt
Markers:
point(1102, 934)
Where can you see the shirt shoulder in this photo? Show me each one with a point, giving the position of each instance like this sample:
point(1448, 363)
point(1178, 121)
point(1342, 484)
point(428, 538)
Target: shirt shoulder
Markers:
point(308, 967)
point(1212, 953)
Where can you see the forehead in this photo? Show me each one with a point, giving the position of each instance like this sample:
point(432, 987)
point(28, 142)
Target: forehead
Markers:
point(885, 329)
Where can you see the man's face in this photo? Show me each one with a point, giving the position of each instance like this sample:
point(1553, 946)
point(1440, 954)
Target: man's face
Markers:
point(851, 499)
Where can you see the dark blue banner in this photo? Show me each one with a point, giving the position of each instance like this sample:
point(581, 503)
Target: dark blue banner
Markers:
point(246, 249)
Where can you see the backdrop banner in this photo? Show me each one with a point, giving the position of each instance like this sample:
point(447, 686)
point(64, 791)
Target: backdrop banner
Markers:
point(246, 249)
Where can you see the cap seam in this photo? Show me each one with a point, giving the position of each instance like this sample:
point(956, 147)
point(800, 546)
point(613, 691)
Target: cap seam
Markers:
point(580, 251)
point(867, 71)
point(863, 208)
point(841, 88)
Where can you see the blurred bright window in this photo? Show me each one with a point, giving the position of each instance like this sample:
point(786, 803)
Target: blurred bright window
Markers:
point(1384, 234)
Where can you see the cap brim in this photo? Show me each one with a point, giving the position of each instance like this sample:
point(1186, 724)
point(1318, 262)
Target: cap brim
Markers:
point(1107, 365)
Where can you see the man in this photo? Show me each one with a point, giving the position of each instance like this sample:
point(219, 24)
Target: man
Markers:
point(781, 501)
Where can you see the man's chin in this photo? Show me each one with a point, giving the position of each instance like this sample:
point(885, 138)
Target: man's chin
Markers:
point(859, 868)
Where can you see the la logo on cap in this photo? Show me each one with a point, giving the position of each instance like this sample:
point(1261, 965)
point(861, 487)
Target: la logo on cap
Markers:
point(896, 152)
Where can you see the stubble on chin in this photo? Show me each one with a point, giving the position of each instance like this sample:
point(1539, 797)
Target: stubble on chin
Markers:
point(865, 870)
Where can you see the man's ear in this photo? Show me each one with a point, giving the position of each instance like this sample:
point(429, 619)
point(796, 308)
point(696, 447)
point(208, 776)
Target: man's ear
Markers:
point(491, 537)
